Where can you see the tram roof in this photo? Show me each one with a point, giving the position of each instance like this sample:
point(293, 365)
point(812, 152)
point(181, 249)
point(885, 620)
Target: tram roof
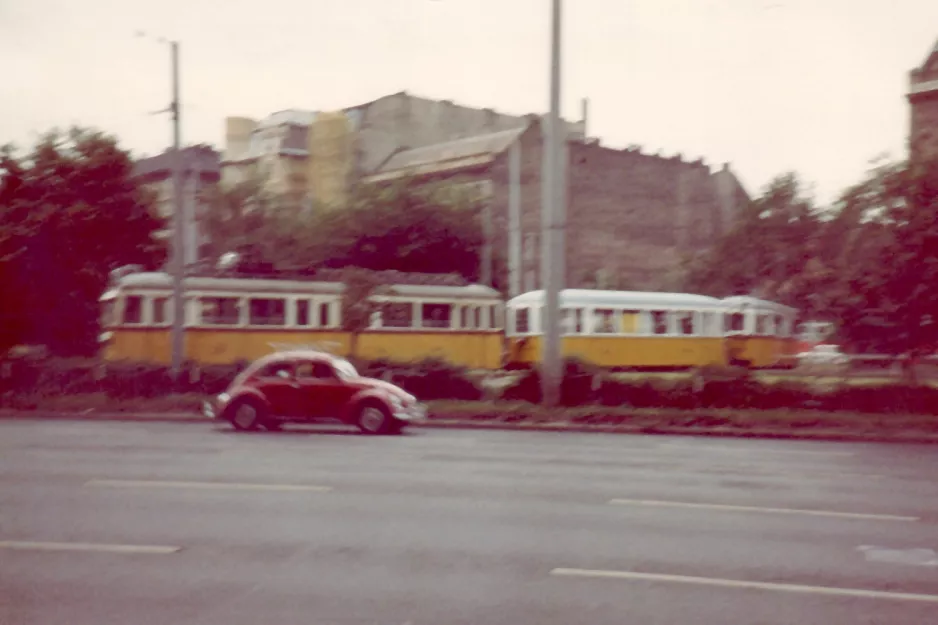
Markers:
point(161, 280)
point(755, 302)
point(620, 299)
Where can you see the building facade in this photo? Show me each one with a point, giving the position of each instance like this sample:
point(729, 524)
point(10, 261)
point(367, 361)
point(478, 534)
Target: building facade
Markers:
point(200, 170)
point(923, 102)
point(631, 218)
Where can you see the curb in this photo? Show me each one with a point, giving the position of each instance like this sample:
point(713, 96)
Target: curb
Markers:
point(557, 427)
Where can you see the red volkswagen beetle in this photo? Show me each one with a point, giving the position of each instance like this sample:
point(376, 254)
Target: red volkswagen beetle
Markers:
point(308, 386)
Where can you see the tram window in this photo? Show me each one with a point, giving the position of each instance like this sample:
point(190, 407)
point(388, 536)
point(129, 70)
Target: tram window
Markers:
point(436, 315)
point(302, 313)
point(268, 312)
point(572, 320)
point(160, 314)
point(325, 316)
point(477, 316)
point(133, 309)
point(762, 325)
point(398, 315)
point(631, 321)
point(493, 321)
point(735, 322)
point(659, 321)
point(107, 313)
point(604, 321)
point(522, 321)
point(685, 322)
point(220, 311)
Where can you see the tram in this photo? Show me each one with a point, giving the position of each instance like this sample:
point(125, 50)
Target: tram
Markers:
point(232, 319)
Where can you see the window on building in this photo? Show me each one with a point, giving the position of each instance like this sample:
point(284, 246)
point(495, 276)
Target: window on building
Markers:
point(133, 309)
point(160, 310)
point(267, 312)
point(302, 313)
point(436, 315)
point(220, 311)
point(398, 315)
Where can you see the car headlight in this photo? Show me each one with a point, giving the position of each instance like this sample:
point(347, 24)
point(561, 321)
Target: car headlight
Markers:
point(396, 402)
point(223, 398)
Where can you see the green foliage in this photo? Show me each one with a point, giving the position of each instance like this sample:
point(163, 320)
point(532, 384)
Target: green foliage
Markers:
point(405, 226)
point(71, 213)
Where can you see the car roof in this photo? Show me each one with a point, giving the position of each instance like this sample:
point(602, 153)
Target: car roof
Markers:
point(295, 354)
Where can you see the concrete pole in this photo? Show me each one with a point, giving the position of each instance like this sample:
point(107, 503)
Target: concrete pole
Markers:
point(179, 221)
point(551, 226)
point(514, 220)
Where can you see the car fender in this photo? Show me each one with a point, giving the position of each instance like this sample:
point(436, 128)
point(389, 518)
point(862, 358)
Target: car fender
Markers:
point(243, 394)
point(352, 408)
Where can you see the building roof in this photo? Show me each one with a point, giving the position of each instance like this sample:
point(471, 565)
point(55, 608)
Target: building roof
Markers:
point(197, 157)
point(449, 155)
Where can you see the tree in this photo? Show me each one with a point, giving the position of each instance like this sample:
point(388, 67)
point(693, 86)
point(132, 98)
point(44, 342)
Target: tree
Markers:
point(405, 226)
point(770, 246)
point(901, 280)
point(71, 213)
point(359, 305)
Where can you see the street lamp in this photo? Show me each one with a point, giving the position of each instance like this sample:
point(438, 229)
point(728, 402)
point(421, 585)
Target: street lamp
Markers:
point(178, 263)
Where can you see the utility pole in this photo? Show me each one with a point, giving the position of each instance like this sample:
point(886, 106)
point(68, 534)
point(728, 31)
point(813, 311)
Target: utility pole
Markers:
point(178, 251)
point(552, 211)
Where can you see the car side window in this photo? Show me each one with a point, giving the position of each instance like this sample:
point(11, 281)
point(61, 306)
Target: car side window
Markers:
point(276, 369)
point(314, 370)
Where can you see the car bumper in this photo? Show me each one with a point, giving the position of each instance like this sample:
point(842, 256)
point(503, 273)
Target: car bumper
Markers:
point(413, 414)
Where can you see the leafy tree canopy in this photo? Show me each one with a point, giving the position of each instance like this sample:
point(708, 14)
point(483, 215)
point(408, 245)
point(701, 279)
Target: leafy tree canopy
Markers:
point(70, 213)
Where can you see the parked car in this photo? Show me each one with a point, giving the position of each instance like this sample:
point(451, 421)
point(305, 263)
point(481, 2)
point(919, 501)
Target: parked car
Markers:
point(310, 386)
point(824, 355)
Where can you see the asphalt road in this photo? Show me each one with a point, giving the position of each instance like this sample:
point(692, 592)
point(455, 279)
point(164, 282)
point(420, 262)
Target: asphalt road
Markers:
point(138, 524)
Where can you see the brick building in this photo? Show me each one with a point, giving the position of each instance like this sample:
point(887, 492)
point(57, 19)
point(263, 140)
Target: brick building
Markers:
point(631, 216)
point(923, 101)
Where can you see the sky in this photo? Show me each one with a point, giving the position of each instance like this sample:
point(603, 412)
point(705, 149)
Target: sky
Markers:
point(770, 86)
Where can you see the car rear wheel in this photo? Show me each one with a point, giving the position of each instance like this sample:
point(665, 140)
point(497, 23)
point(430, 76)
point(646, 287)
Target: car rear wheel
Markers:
point(374, 419)
point(247, 415)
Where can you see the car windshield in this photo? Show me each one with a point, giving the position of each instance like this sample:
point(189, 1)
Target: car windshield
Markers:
point(345, 369)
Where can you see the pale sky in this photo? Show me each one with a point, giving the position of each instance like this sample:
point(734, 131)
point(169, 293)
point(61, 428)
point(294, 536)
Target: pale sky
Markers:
point(814, 86)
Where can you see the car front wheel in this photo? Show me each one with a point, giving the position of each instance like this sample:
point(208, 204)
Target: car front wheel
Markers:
point(247, 415)
point(374, 419)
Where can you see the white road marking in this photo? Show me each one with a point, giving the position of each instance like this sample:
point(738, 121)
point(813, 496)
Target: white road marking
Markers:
point(754, 450)
point(206, 485)
point(734, 508)
point(735, 583)
point(49, 546)
point(913, 557)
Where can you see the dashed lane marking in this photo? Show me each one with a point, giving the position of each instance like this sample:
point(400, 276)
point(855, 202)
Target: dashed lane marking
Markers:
point(53, 546)
point(736, 583)
point(207, 485)
point(734, 508)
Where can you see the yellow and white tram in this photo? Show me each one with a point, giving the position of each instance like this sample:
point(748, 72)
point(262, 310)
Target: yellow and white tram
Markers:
point(645, 330)
point(622, 328)
point(231, 319)
point(234, 319)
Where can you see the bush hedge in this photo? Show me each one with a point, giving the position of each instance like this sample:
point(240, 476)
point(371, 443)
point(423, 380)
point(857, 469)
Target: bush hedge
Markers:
point(583, 385)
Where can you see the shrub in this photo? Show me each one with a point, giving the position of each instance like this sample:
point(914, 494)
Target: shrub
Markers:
point(578, 385)
point(435, 379)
